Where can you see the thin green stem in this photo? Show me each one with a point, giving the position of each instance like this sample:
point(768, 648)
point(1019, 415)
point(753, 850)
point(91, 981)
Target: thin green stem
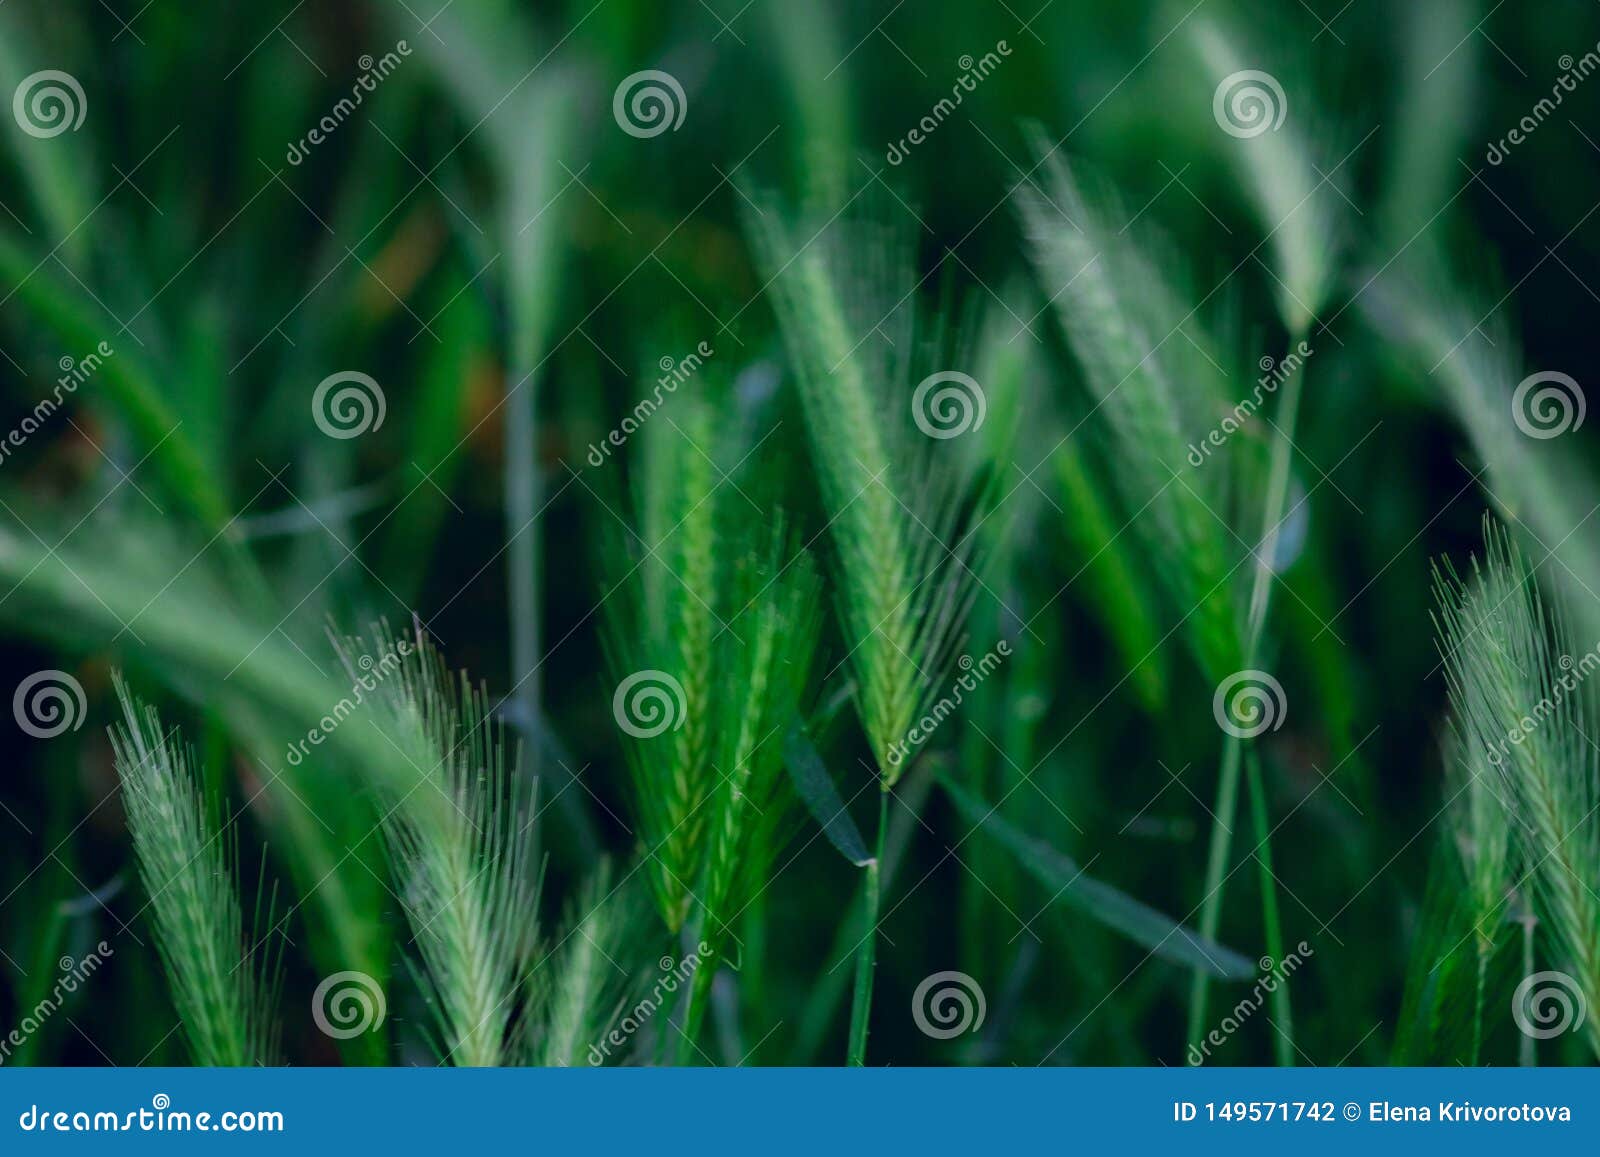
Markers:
point(1260, 602)
point(1527, 1051)
point(694, 1010)
point(1216, 866)
point(1284, 1043)
point(861, 1004)
point(1485, 948)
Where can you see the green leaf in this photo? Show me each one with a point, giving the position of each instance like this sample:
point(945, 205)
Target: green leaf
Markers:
point(815, 785)
point(1114, 908)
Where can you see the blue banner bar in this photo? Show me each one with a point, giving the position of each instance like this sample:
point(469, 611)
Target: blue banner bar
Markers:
point(700, 1111)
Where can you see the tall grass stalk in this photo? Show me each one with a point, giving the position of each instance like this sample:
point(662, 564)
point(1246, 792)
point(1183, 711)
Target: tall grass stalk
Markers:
point(1293, 203)
point(843, 298)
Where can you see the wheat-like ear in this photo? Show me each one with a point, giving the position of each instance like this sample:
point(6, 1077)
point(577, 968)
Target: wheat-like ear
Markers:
point(1119, 299)
point(662, 640)
point(224, 993)
point(461, 845)
point(1469, 353)
point(1292, 188)
point(579, 984)
point(844, 294)
point(1521, 711)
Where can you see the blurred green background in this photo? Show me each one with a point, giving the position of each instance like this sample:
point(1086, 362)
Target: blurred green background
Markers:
point(482, 237)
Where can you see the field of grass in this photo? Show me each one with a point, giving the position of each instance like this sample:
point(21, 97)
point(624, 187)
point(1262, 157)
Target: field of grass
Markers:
point(937, 532)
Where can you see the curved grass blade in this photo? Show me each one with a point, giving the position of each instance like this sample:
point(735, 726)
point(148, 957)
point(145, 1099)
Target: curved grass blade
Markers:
point(1113, 907)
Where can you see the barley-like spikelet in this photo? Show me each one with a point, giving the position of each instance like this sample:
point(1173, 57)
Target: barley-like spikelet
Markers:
point(1292, 188)
point(461, 846)
point(1518, 702)
point(580, 982)
point(671, 625)
point(224, 992)
point(1155, 395)
point(772, 667)
point(904, 577)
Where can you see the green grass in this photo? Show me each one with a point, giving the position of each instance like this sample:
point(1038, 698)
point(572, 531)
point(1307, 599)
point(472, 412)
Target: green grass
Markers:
point(879, 638)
